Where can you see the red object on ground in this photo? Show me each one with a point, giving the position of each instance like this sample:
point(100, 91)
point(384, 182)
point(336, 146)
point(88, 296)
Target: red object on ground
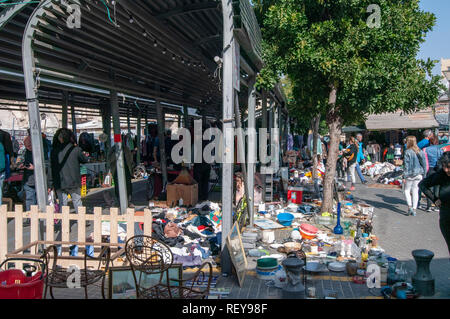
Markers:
point(296, 192)
point(15, 285)
point(308, 231)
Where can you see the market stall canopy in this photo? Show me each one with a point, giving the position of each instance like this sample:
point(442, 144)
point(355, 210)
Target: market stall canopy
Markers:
point(401, 120)
point(144, 49)
point(354, 129)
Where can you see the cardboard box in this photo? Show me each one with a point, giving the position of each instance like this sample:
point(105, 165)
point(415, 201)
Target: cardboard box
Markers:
point(189, 194)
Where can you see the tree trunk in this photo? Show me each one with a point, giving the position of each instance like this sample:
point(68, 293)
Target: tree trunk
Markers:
point(334, 122)
point(315, 129)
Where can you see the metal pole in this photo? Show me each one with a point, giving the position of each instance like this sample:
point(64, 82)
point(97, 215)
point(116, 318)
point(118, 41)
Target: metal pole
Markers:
point(33, 111)
point(128, 120)
point(138, 134)
point(185, 117)
point(228, 134)
point(64, 108)
point(264, 126)
point(120, 164)
point(251, 149)
point(74, 122)
point(448, 121)
point(162, 146)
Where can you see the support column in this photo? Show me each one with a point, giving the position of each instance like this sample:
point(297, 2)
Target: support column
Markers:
point(185, 117)
point(146, 124)
point(264, 125)
point(138, 138)
point(162, 148)
point(120, 166)
point(228, 134)
point(74, 122)
point(106, 124)
point(40, 175)
point(128, 120)
point(251, 158)
point(65, 103)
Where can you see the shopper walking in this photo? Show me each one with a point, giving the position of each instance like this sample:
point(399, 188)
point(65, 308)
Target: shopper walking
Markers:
point(351, 154)
point(428, 134)
point(440, 198)
point(69, 159)
point(432, 154)
point(414, 171)
point(360, 157)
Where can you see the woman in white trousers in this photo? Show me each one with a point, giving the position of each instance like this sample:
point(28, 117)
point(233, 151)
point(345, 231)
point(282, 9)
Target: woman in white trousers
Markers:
point(414, 171)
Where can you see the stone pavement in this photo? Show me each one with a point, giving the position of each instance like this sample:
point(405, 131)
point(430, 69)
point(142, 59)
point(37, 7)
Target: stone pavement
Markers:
point(399, 234)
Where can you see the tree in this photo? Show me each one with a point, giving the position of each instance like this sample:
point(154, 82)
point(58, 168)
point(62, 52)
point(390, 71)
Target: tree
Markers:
point(358, 62)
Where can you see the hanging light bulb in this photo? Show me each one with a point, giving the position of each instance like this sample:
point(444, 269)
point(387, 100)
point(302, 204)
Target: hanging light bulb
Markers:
point(189, 63)
point(182, 60)
point(164, 51)
point(131, 19)
point(173, 57)
point(144, 34)
point(155, 44)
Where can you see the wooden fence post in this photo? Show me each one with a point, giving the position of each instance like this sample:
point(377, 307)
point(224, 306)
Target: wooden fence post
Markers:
point(148, 220)
point(113, 225)
point(82, 224)
point(50, 224)
point(18, 221)
point(97, 225)
point(3, 232)
point(130, 223)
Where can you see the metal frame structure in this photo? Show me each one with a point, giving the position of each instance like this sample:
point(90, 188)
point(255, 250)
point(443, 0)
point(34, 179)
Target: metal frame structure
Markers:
point(137, 58)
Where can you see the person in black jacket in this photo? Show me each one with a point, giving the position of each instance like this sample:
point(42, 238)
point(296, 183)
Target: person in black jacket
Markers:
point(69, 159)
point(441, 198)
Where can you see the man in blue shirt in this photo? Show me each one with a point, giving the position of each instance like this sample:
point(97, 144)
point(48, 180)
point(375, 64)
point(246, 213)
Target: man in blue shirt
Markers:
point(360, 158)
point(426, 141)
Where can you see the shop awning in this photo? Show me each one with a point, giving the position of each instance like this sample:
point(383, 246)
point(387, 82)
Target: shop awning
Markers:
point(400, 120)
point(353, 129)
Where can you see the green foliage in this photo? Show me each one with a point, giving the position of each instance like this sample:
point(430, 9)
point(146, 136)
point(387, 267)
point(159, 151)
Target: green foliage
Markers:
point(318, 43)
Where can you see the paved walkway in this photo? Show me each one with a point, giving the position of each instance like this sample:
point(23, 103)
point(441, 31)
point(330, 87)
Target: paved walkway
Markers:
point(399, 234)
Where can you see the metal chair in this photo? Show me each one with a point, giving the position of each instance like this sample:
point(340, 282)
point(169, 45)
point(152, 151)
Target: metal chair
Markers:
point(187, 288)
point(148, 256)
point(58, 276)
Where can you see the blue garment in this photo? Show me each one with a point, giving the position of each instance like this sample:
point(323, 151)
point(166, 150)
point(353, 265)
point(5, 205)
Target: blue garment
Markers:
point(358, 170)
point(423, 143)
point(360, 156)
point(434, 153)
point(30, 193)
point(2, 179)
point(415, 164)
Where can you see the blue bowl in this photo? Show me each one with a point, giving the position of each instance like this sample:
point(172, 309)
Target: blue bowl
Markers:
point(285, 219)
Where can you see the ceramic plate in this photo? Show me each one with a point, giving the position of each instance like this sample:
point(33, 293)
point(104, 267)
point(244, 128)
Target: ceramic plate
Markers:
point(315, 267)
point(336, 266)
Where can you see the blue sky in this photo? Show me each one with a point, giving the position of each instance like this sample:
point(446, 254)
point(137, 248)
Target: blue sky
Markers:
point(437, 44)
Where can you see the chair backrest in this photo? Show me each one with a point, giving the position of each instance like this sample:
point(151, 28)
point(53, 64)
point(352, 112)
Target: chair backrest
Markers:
point(148, 255)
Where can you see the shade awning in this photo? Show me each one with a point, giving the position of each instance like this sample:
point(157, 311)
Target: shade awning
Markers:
point(400, 120)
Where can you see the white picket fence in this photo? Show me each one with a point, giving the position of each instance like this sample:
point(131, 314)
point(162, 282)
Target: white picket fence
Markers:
point(50, 216)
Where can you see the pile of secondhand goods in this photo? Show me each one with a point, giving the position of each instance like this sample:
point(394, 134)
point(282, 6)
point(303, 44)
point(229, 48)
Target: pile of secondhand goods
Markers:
point(385, 173)
point(298, 229)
